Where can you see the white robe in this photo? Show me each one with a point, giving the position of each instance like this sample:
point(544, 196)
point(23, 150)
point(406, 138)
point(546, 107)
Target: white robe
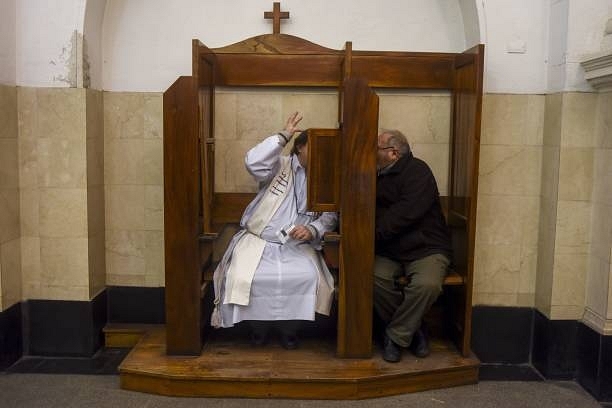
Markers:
point(284, 286)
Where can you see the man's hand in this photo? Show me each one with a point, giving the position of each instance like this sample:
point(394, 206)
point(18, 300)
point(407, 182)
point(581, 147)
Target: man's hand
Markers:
point(301, 233)
point(292, 122)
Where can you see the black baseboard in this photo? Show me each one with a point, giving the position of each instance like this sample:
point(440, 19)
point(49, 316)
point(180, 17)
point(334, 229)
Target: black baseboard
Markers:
point(11, 336)
point(516, 343)
point(64, 328)
point(554, 347)
point(136, 305)
point(594, 363)
point(502, 335)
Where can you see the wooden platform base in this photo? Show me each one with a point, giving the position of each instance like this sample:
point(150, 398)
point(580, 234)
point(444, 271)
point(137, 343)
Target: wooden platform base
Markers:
point(232, 368)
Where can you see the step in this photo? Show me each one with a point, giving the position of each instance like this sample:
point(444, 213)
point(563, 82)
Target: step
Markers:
point(125, 335)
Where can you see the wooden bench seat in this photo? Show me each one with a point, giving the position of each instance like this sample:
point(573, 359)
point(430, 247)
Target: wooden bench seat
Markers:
point(331, 256)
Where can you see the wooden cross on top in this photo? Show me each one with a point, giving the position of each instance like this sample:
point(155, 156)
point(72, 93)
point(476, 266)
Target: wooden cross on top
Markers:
point(276, 15)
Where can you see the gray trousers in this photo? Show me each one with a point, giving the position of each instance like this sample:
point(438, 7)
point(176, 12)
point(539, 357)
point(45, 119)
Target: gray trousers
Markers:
point(402, 309)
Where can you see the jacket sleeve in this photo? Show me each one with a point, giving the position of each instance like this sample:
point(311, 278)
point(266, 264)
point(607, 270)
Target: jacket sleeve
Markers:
point(417, 193)
point(262, 160)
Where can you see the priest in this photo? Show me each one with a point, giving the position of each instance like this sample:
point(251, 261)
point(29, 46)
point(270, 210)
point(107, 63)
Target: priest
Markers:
point(272, 273)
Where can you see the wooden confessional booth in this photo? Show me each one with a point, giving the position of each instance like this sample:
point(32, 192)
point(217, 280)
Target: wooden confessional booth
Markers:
point(342, 177)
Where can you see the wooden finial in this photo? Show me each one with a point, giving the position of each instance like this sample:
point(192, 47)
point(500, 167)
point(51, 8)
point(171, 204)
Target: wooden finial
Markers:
point(276, 15)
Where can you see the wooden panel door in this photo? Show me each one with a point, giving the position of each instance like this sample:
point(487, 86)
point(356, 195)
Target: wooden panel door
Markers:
point(463, 191)
point(181, 212)
point(324, 167)
point(357, 214)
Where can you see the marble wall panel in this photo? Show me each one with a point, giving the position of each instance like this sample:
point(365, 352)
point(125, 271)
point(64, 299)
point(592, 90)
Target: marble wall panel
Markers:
point(133, 177)
point(62, 163)
point(124, 115)
point(602, 188)
point(603, 127)
point(125, 257)
point(125, 207)
point(63, 213)
point(436, 156)
point(510, 170)
point(154, 208)
point(597, 282)
point(31, 268)
point(499, 220)
point(421, 118)
point(10, 262)
point(60, 113)
point(64, 262)
point(512, 119)
point(53, 159)
point(601, 231)
point(573, 227)
point(9, 169)
point(124, 161)
point(569, 281)
point(95, 137)
point(260, 115)
point(10, 273)
point(153, 121)
point(9, 214)
point(8, 112)
point(498, 269)
point(579, 119)
point(243, 118)
point(575, 173)
point(553, 111)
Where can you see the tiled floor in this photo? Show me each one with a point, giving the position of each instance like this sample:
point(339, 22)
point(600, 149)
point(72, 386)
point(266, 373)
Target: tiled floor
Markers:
point(93, 382)
point(98, 391)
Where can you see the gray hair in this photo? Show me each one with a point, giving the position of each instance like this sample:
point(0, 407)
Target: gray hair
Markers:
point(397, 140)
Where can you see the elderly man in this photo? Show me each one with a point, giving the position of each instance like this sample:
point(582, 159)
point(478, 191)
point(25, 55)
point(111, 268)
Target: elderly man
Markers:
point(412, 245)
point(272, 273)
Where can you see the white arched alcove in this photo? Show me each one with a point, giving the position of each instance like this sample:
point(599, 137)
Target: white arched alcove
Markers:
point(147, 44)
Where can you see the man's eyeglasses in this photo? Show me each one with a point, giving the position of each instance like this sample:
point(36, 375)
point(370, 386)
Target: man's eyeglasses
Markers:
point(385, 148)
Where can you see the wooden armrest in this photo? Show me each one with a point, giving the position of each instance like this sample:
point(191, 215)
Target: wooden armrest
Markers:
point(331, 237)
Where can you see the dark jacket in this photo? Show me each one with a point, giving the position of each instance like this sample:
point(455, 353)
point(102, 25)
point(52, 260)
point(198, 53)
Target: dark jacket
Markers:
point(409, 220)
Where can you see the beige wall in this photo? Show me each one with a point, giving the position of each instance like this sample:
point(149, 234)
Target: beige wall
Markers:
point(133, 192)
point(94, 145)
point(565, 230)
point(508, 200)
point(242, 119)
point(91, 174)
point(10, 262)
point(134, 156)
point(58, 135)
point(598, 312)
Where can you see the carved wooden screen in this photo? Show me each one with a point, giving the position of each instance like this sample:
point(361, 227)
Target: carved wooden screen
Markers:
point(464, 150)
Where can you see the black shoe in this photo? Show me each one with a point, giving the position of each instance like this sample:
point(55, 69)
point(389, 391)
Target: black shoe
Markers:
point(391, 351)
point(258, 338)
point(420, 344)
point(289, 341)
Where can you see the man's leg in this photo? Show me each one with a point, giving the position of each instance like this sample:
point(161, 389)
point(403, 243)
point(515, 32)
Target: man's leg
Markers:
point(426, 277)
point(387, 297)
point(259, 331)
point(288, 333)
